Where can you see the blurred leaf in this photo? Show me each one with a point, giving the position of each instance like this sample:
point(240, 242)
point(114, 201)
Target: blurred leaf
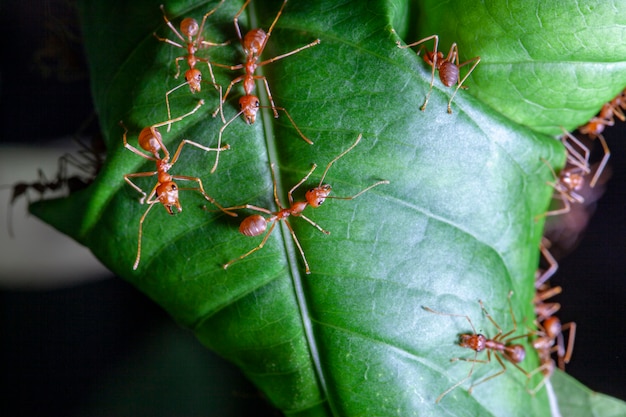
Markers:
point(577, 400)
point(455, 224)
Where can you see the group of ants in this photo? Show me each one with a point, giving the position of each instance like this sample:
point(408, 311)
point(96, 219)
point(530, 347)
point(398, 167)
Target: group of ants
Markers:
point(548, 339)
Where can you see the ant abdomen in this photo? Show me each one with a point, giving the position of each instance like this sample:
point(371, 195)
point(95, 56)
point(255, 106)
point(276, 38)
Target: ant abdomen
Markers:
point(253, 225)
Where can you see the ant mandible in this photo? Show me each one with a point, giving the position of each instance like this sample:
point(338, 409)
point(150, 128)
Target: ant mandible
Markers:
point(253, 44)
point(448, 67)
point(256, 224)
point(165, 191)
point(500, 345)
point(194, 41)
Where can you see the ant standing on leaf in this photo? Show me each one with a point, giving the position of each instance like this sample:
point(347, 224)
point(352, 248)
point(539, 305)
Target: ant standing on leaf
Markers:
point(501, 346)
point(194, 41)
point(448, 67)
point(253, 44)
point(165, 191)
point(256, 224)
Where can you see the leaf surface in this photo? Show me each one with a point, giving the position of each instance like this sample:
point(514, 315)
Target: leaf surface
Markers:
point(455, 224)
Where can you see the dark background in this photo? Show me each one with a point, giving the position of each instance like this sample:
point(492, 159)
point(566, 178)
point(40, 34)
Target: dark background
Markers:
point(65, 350)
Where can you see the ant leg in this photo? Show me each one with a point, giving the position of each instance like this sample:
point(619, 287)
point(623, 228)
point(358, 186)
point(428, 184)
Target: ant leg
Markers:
point(295, 187)
point(503, 370)
point(219, 140)
point(565, 357)
point(171, 26)
point(476, 60)
point(469, 375)
point(433, 64)
point(574, 157)
point(138, 258)
point(605, 159)
point(201, 190)
point(295, 239)
point(206, 15)
point(360, 192)
point(197, 145)
point(269, 31)
point(267, 235)
point(356, 142)
point(295, 51)
point(307, 140)
point(312, 223)
point(131, 147)
point(236, 19)
point(145, 196)
point(179, 118)
point(543, 247)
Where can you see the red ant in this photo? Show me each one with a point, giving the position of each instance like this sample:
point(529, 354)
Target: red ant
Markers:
point(253, 44)
point(165, 191)
point(550, 333)
point(500, 345)
point(596, 125)
point(256, 224)
point(567, 184)
point(193, 32)
point(448, 67)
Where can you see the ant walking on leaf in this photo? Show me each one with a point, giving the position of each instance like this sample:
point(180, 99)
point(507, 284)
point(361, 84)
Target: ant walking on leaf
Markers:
point(191, 42)
point(256, 224)
point(253, 44)
point(501, 345)
point(165, 191)
point(448, 67)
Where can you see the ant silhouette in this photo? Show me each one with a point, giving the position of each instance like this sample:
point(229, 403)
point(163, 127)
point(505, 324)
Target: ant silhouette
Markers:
point(256, 224)
point(194, 41)
point(165, 191)
point(501, 345)
point(448, 67)
point(88, 161)
point(253, 44)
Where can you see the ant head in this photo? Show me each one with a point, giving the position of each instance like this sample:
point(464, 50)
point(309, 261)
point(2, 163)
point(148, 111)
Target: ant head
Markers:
point(249, 105)
point(194, 78)
point(515, 353)
point(167, 193)
point(150, 140)
point(253, 225)
point(189, 27)
point(476, 342)
point(316, 196)
point(254, 41)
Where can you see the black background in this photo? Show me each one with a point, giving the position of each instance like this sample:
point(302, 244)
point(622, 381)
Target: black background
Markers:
point(56, 345)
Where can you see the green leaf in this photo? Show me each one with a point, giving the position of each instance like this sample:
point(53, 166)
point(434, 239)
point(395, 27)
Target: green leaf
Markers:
point(577, 400)
point(457, 222)
point(543, 64)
